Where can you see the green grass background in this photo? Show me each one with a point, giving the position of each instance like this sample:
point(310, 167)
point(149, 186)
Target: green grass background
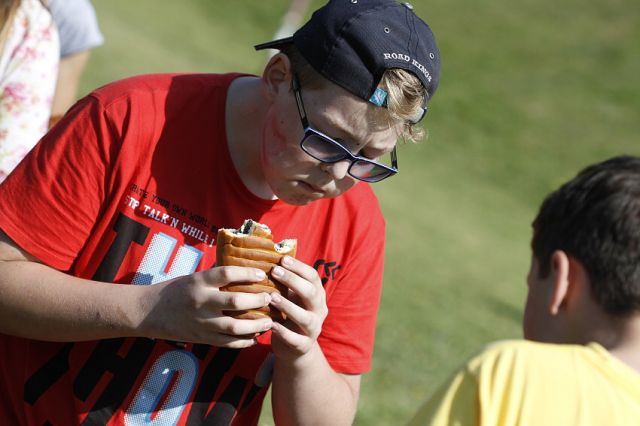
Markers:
point(531, 91)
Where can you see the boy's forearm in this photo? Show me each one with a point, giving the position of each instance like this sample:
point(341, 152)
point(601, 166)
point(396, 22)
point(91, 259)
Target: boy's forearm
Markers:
point(310, 392)
point(39, 302)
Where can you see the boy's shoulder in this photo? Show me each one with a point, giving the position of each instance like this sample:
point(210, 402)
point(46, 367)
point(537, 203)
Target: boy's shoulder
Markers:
point(159, 86)
point(525, 355)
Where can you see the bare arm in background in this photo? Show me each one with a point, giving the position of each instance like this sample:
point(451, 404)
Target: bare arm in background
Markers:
point(69, 74)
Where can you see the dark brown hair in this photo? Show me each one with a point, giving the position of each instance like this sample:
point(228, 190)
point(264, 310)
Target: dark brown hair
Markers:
point(595, 218)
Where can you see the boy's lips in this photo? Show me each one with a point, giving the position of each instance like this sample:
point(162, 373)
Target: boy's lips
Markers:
point(311, 188)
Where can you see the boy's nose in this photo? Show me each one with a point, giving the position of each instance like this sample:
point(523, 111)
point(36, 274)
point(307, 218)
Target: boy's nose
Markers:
point(337, 170)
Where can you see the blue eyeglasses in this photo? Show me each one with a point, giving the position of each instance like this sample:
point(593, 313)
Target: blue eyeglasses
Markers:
point(327, 150)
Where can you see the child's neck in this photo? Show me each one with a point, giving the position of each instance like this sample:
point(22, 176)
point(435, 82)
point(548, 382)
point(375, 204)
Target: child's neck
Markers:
point(627, 347)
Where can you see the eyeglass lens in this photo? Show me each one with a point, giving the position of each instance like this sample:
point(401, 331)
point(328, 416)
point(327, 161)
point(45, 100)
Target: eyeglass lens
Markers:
point(327, 151)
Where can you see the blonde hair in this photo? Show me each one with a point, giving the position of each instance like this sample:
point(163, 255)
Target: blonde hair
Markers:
point(7, 11)
point(405, 93)
point(405, 96)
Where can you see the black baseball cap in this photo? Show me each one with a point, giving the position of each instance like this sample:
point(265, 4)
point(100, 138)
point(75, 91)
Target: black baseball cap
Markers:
point(353, 42)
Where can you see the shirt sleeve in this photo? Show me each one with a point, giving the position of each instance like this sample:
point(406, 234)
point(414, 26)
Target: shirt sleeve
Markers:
point(490, 389)
point(353, 298)
point(51, 201)
point(454, 403)
point(77, 24)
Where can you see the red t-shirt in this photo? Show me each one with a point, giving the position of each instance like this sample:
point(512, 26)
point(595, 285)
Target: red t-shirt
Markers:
point(131, 187)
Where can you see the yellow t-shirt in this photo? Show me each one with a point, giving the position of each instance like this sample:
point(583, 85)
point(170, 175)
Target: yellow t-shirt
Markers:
point(531, 384)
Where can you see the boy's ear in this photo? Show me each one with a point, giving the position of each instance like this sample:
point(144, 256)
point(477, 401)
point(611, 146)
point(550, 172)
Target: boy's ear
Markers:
point(277, 76)
point(569, 279)
point(560, 276)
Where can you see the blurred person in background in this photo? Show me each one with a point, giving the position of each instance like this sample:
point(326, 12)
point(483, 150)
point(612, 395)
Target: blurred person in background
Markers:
point(580, 364)
point(79, 33)
point(28, 70)
point(290, 22)
point(111, 309)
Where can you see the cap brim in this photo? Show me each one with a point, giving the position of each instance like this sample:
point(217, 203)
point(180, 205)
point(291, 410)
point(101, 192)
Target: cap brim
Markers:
point(275, 44)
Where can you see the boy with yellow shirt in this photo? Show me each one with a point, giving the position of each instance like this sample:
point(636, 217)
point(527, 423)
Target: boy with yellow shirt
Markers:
point(581, 362)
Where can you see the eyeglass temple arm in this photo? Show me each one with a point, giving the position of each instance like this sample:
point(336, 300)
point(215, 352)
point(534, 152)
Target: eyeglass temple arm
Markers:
point(394, 158)
point(295, 85)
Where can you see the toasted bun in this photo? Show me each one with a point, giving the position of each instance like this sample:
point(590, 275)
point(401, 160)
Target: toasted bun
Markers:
point(252, 245)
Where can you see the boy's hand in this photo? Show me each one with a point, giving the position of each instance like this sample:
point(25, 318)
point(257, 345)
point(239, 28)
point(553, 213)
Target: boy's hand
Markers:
point(306, 309)
point(189, 308)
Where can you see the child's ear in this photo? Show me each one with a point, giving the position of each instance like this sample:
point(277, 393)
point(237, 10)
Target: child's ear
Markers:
point(277, 75)
point(560, 275)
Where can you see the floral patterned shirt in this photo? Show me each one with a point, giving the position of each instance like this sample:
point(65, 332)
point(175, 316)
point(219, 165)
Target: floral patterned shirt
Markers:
point(28, 71)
